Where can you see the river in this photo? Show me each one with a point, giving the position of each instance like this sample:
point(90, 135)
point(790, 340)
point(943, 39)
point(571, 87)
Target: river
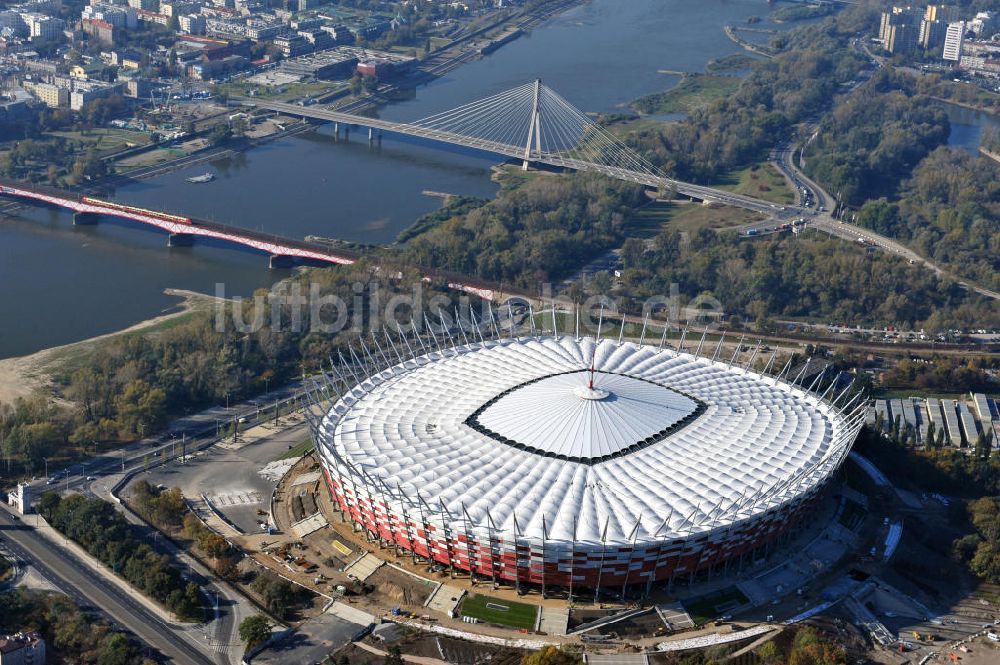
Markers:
point(967, 127)
point(60, 284)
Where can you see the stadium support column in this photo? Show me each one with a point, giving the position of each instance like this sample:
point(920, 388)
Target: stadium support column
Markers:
point(491, 529)
point(534, 127)
point(448, 536)
point(600, 566)
point(631, 555)
point(468, 545)
point(406, 524)
point(572, 557)
point(545, 536)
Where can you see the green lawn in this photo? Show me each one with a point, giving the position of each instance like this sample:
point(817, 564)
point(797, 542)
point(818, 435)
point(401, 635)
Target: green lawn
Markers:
point(693, 92)
point(687, 217)
point(502, 612)
point(299, 449)
point(762, 181)
point(105, 138)
point(714, 605)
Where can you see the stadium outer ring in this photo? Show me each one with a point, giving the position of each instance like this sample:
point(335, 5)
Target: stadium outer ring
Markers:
point(481, 550)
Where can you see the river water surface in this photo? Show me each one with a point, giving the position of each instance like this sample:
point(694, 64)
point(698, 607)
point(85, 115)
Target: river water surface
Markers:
point(59, 284)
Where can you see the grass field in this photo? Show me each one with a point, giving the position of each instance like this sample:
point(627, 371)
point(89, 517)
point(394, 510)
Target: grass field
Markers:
point(713, 606)
point(299, 449)
point(685, 217)
point(502, 612)
point(694, 91)
point(105, 138)
point(762, 181)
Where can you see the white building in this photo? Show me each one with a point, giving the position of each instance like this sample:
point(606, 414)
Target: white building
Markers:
point(22, 649)
point(953, 39)
point(118, 16)
point(42, 27)
point(192, 24)
point(20, 499)
point(984, 25)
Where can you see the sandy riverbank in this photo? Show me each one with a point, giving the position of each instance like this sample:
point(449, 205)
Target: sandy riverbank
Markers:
point(25, 375)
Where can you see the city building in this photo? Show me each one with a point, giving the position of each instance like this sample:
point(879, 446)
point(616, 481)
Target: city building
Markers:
point(152, 17)
point(100, 30)
point(212, 69)
point(984, 25)
point(565, 462)
point(90, 70)
point(326, 65)
point(22, 649)
point(84, 92)
point(119, 16)
point(953, 40)
point(944, 13)
point(53, 96)
point(318, 39)
point(899, 29)
point(192, 24)
point(42, 27)
point(932, 34)
point(20, 498)
point(148, 5)
point(292, 44)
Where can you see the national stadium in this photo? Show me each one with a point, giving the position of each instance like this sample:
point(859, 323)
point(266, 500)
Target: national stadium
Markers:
point(558, 461)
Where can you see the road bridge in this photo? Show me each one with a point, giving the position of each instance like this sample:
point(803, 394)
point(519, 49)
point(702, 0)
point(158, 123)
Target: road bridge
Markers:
point(531, 123)
point(87, 210)
point(182, 231)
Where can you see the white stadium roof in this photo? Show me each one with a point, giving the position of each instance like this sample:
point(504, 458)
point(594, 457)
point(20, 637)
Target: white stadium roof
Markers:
point(508, 432)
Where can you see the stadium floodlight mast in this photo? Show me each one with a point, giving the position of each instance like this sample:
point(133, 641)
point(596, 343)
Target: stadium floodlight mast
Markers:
point(718, 347)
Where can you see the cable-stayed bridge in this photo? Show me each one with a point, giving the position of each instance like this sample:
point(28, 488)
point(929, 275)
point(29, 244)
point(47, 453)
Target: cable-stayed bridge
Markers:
point(535, 124)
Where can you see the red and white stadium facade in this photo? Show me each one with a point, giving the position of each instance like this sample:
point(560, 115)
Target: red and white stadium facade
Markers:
point(567, 462)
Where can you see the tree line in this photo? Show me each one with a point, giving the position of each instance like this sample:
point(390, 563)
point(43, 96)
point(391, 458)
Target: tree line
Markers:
point(71, 635)
point(97, 527)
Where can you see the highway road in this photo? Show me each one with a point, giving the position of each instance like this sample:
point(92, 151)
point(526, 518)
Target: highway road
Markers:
point(819, 216)
point(79, 582)
point(217, 642)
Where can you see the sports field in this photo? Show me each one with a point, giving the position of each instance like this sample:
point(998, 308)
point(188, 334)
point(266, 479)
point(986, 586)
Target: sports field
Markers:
point(502, 612)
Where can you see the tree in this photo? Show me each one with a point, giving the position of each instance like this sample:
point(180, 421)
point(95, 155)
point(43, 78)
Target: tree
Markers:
point(551, 655)
point(394, 656)
point(255, 630)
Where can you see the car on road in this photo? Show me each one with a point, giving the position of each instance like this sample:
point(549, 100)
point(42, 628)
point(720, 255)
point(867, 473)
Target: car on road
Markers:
point(91, 478)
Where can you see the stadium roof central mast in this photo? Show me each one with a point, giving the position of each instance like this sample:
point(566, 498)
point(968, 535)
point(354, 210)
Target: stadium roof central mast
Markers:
point(590, 392)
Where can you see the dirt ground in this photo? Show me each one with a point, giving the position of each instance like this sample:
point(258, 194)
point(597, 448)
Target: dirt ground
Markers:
point(416, 643)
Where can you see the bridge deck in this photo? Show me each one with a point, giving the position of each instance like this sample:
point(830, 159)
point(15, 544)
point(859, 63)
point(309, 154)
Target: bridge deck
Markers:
point(700, 192)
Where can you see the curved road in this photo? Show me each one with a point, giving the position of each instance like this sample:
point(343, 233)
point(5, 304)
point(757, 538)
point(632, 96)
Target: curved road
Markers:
point(783, 158)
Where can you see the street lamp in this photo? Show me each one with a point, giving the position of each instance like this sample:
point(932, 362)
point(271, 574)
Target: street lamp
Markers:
point(46, 460)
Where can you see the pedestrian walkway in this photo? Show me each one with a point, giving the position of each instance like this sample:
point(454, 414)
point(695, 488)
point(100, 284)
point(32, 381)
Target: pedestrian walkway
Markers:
point(554, 620)
point(364, 567)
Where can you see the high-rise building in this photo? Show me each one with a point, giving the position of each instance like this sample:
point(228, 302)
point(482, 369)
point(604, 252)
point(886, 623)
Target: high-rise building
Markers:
point(953, 39)
point(902, 38)
point(899, 29)
point(943, 13)
point(932, 34)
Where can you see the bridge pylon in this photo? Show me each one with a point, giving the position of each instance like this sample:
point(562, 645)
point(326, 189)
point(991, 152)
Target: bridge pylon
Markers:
point(534, 126)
